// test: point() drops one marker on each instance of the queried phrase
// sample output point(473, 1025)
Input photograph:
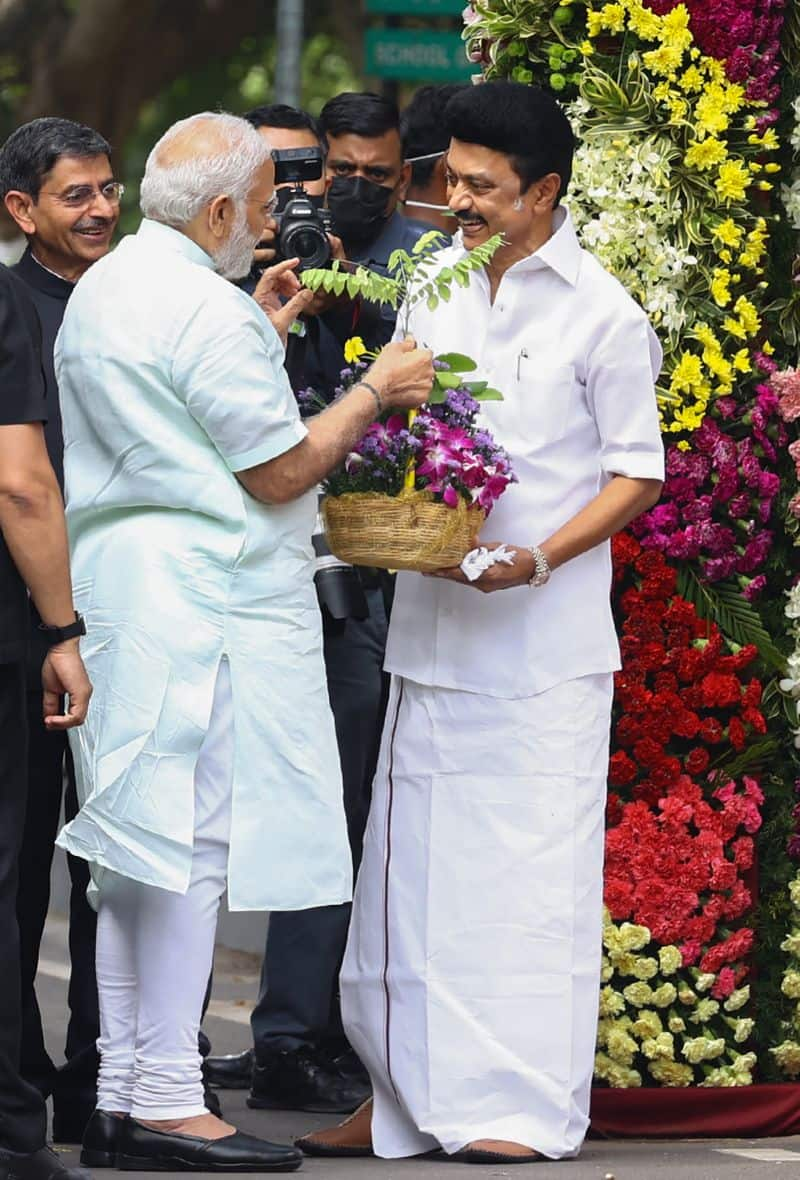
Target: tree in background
point(131, 69)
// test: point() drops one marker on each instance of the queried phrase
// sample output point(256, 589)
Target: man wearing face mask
point(368, 178)
point(425, 139)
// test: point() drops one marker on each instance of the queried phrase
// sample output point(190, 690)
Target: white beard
point(234, 257)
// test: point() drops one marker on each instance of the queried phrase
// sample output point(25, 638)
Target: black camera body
point(303, 226)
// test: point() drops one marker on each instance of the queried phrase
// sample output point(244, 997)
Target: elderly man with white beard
point(191, 503)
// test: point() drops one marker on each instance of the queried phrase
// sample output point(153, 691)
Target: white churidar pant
point(471, 977)
point(155, 949)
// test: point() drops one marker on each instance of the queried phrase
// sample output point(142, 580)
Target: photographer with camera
point(301, 1059)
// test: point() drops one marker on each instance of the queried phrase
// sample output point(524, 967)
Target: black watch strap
point(54, 635)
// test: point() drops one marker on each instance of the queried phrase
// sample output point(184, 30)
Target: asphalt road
point(236, 981)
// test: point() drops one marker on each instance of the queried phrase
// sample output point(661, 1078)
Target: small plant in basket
point(417, 488)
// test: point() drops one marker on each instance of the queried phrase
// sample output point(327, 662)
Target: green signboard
point(416, 55)
point(417, 7)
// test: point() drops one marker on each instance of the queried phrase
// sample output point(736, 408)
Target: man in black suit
point(33, 555)
point(57, 183)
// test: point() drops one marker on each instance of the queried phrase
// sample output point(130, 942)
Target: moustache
point(93, 223)
point(462, 216)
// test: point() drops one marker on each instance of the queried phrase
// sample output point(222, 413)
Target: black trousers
point(49, 765)
point(299, 1002)
point(23, 1117)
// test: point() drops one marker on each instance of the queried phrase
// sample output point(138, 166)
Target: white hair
point(175, 193)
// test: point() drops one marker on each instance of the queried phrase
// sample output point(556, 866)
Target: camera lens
point(307, 242)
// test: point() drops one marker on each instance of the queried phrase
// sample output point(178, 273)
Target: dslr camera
point(303, 226)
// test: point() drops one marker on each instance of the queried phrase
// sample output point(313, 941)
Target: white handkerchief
point(479, 560)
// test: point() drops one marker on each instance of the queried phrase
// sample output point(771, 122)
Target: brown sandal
point(345, 1139)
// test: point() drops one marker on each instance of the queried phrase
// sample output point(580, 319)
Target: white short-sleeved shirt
point(576, 360)
point(172, 380)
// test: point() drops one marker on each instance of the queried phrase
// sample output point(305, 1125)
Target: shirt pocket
point(546, 396)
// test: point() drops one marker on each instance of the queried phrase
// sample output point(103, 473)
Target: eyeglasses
point(267, 207)
point(83, 194)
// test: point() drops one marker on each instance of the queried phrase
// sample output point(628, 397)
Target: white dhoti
point(470, 982)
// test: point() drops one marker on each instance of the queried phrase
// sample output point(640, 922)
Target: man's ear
point(18, 205)
point(546, 192)
point(220, 216)
point(405, 181)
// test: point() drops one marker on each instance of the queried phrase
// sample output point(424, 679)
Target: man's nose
point(459, 198)
point(101, 206)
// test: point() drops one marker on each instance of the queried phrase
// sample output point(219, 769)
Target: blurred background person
point(34, 560)
point(424, 132)
point(58, 184)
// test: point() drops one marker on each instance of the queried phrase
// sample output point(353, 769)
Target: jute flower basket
point(405, 532)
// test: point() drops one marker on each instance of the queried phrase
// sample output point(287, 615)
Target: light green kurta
point(171, 379)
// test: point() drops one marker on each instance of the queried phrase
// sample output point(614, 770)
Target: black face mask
point(358, 206)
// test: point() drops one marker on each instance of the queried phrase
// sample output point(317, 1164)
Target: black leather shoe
point(43, 1164)
point(141, 1149)
point(234, 1072)
point(297, 1079)
point(100, 1140)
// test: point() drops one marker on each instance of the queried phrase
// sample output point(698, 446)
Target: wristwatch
point(542, 571)
point(54, 635)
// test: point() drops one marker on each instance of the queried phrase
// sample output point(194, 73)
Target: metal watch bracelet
point(542, 571)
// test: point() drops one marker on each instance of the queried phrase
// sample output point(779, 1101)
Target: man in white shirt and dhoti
point(211, 755)
point(470, 983)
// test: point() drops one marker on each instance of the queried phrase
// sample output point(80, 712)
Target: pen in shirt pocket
point(521, 355)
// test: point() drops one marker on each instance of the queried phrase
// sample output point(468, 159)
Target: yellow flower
point(611, 1002)
point(683, 445)
point(621, 1046)
point(618, 1076)
point(772, 167)
point(613, 17)
point(586, 48)
point(734, 328)
point(697, 1049)
point(769, 140)
point(737, 999)
point(720, 286)
point(768, 350)
point(710, 110)
point(790, 986)
point(705, 153)
point(645, 23)
point(732, 182)
point(687, 374)
point(665, 995)
point(748, 316)
point(645, 968)
point(675, 1024)
point(664, 60)
point(728, 232)
point(354, 348)
point(661, 1047)
point(670, 1073)
point(787, 1056)
point(691, 80)
point(670, 958)
point(594, 23)
point(639, 994)
point(647, 1023)
point(705, 1009)
point(741, 361)
point(794, 892)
